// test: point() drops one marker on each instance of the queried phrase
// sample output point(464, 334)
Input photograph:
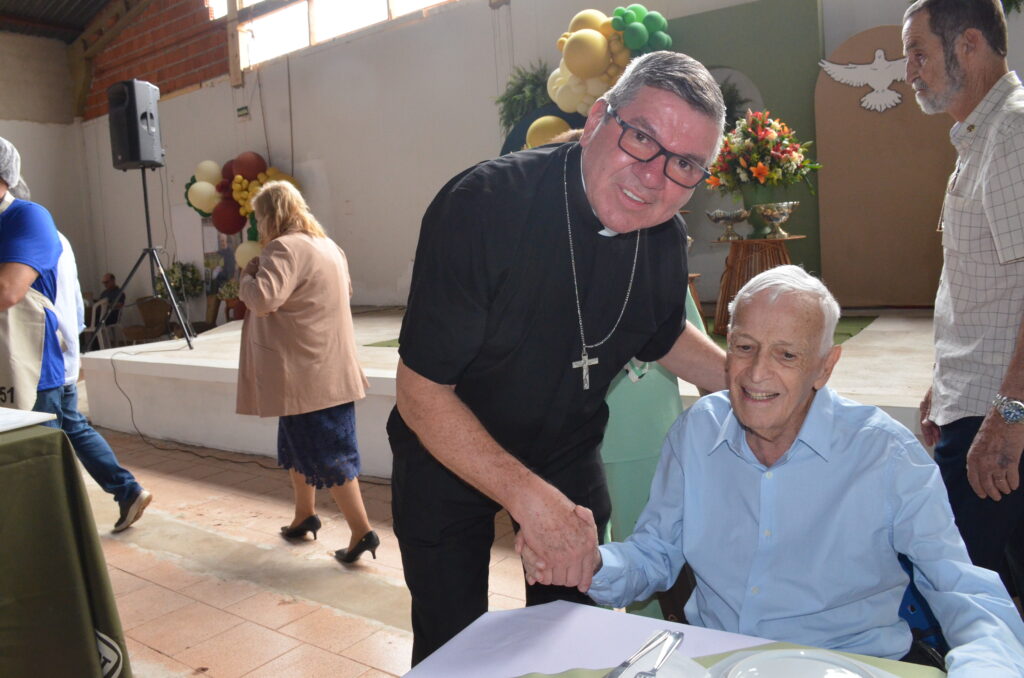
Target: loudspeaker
point(134, 125)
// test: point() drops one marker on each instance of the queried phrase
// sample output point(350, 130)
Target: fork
point(668, 646)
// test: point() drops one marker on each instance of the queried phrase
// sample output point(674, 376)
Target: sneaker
point(131, 510)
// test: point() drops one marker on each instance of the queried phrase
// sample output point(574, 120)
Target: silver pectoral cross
point(585, 362)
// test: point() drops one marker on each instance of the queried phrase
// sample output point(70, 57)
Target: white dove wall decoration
point(877, 75)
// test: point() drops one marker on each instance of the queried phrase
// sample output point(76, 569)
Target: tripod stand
point(154, 267)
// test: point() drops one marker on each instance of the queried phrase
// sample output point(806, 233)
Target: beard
point(938, 102)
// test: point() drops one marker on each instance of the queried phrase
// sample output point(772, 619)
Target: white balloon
point(566, 99)
point(203, 196)
point(246, 252)
point(554, 82)
point(208, 171)
point(596, 86)
point(577, 84)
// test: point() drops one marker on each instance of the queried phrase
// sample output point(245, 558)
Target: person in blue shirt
point(38, 295)
point(792, 504)
point(29, 250)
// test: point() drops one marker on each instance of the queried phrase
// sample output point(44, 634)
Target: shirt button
point(755, 590)
point(767, 533)
point(768, 475)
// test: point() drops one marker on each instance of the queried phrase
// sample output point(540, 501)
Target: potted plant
point(185, 280)
point(228, 292)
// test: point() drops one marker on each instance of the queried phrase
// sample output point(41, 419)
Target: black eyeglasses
point(639, 145)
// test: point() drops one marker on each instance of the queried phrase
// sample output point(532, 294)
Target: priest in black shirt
point(538, 275)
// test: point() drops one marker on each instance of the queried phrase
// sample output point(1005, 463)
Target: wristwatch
point(1012, 411)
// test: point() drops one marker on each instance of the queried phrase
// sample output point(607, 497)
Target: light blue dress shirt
point(805, 551)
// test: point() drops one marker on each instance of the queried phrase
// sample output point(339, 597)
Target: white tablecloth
point(560, 636)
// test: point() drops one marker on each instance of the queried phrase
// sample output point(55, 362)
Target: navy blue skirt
point(320, 445)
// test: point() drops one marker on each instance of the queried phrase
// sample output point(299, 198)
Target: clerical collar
point(606, 232)
point(6, 201)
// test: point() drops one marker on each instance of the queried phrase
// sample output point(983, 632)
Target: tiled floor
point(205, 586)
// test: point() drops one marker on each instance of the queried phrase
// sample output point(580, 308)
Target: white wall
point(378, 122)
point(372, 124)
point(844, 19)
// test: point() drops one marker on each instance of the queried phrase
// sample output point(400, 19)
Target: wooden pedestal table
point(746, 259)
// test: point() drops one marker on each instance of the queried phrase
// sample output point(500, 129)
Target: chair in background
point(97, 335)
point(156, 316)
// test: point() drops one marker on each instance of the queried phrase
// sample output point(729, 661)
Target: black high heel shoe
point(310, 524)
point(369, 542)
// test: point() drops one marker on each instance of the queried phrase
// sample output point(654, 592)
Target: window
point(270, 28)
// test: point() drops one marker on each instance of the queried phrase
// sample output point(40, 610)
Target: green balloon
point(635, 36)
point(654, 21)
point(628, 16)
point(618, 24)
point(619, 11)
point(639, 10)
point(659, 40)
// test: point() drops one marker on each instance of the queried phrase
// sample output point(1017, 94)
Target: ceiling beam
point(12, 19)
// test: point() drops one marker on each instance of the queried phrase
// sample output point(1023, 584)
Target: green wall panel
point(777, 44)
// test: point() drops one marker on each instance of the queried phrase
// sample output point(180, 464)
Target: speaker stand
point(155, 266)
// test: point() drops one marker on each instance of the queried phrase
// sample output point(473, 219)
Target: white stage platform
point(189, 396)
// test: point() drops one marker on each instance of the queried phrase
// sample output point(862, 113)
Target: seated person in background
point(112, 293)
point(792, 504)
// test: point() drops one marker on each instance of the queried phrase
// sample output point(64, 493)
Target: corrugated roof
point(60, 19)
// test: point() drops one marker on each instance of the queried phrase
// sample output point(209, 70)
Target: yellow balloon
point(588, 18)
point(246, 252)
point(203, 196)
point(544, 129)
point(208, 171)
point(586, 53)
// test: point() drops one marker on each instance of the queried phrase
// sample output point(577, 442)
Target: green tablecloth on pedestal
point(57, 612)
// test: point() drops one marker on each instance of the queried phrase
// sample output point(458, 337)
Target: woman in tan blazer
point(298, 361)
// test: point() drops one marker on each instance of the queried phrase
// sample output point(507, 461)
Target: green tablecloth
point(57, 612)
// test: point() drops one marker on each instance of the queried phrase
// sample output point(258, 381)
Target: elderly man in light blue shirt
point(792, 504)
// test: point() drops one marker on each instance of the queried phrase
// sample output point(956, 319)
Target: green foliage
point(185, 279)
point(527, 90)
point(228, 290)
point(735, 103)
point(1012, 6)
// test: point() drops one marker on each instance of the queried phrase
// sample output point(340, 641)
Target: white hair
point(793, 280)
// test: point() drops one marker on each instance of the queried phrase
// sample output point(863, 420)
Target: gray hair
point(948, 19)
point(673, 72)
point(10, 164)
point(793, 280)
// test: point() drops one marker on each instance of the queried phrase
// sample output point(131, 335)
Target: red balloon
point(226, 218)
point(249, 165)
point(227, 170)
point(224, 188)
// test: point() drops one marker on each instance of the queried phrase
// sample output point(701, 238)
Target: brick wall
point(173, 45)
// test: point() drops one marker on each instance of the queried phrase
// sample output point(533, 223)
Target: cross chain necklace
point(585, 360)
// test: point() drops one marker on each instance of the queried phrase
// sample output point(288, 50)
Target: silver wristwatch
point(1012, 411)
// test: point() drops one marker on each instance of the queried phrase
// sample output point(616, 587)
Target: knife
point(644, 649)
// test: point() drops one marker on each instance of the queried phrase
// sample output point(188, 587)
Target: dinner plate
point(793, 663)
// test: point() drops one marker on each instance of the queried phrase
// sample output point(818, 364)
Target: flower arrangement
point(228, 290)
point(184, 279)
point(760, 151)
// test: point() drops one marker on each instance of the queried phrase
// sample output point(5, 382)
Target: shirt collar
point(962, 132)
point(606, 232)
point(815, 434)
